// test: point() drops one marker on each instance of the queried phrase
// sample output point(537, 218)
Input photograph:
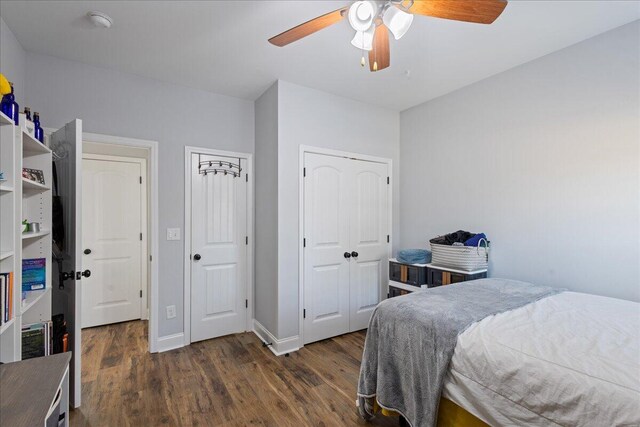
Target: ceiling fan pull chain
point(375, 57)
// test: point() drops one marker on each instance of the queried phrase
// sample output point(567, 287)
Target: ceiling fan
point(372, 21)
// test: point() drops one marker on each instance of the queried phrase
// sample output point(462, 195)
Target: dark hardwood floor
point(231, 381)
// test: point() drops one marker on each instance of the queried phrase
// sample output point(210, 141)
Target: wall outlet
point(173, 234)
point(171, 311)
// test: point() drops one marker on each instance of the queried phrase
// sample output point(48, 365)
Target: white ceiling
point(221, 46)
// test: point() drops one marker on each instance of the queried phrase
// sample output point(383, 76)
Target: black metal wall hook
point(206, 167)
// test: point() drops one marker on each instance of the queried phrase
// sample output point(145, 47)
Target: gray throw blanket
point(411, 340)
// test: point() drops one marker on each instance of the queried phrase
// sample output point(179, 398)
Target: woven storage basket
point(465, 258)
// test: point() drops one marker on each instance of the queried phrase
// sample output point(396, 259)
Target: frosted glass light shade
point(364, 39)
point(361, 15)
point(397, 21)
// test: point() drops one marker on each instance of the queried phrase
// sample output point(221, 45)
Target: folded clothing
point(414, 256)
point(475, 240)
point(459, 236)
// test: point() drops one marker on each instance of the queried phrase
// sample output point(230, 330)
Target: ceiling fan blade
point(478, 11)
point(309, 27)
point(379, 56)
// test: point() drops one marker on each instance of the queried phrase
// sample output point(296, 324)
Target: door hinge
point(304, 242)
point(387, 238)
point(246, 303)
point(247, 177)
point(140, 180)
point(140, 236)
point(387, 180)
point(246, 240)
point(150, 258)
point(140, 293)
point(304, 172)
point(304, 313)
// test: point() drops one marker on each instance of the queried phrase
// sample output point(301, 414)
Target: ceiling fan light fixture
point(397, 21)
point(361, 14)
point(364, 39)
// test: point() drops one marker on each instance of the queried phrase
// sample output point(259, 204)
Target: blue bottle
point(9, 106)
point(38, 132)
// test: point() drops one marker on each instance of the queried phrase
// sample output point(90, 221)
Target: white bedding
point(570, 359)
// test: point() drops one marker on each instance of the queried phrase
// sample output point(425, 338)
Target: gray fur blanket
point(411, 340)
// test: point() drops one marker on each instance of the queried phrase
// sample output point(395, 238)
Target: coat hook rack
point(214, 167)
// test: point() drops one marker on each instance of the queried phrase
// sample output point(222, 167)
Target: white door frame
point(153, 224)
point(188, 152)
point(304, 149)
point(144, 254)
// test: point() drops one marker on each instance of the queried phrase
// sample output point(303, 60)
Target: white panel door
point(112, 211)
point(67, 144)
point(326, 225)
point(219, 252)
point(368, 239)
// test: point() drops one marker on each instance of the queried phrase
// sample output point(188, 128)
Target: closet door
point(368, 230)
point(326, 225)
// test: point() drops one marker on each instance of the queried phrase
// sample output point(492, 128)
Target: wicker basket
point(465, 258)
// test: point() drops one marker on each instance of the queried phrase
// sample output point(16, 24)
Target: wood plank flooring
point(231, 381)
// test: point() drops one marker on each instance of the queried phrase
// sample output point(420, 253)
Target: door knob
point(347, 255)
point(197, 257)
point(354, 254)
point(86, 273)
point(87, 251)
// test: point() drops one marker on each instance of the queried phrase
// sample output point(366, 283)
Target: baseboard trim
point(170, 342)
point(278, 347)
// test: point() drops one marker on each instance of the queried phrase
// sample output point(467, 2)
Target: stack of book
point(36, 340)
point(6, 296)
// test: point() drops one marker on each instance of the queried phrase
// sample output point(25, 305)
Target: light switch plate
point(171, 311)
point(173, 234)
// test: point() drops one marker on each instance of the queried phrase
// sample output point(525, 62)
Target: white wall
point(266, 218)
point(13, 62)
point(311, 117)
point(114, 103)
point(545, 159)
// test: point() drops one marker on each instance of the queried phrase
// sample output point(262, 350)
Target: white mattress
point(571, 359)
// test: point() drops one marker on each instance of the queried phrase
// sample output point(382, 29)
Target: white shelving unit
point(34, 235)
point(9, 239)
point(29, 186)
point(23, 199)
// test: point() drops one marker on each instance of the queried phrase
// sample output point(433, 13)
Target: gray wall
point(12, 62)
point(311, 117)
point(266, 218)
point(114, 103)
point(545, 159)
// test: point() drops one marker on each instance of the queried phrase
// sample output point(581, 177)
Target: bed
point(564, 358)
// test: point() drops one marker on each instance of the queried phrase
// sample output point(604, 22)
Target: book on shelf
point(6, 297)
point(36, 340)
point(3, 299)
point(34, 275)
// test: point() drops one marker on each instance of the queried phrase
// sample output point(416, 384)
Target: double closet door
point(346, 228)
